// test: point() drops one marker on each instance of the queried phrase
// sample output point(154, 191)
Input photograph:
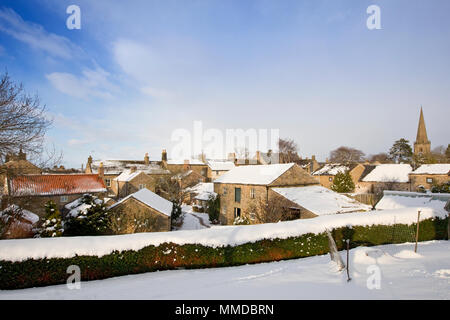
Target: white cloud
point(36, 36)
point(155, 93)
point(92, 83)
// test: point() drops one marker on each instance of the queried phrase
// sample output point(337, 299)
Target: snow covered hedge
point(39, 262)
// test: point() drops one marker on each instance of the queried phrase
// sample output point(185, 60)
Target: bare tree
point(274, 210)
point(23, 122)
point(287, 149)
point(346, 155)
point(380, 157)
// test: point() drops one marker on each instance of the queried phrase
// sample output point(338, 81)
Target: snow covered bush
point(343, 183)
point(441, 188)
point(53, 225)
point(89, 220)
point(241, 221)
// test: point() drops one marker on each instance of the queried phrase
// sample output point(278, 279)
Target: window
point(252, 193)
point(64, 199)
point(108, 182)
point(237, 212)
point(142, 186)
point(237, 195)
point(429, 180)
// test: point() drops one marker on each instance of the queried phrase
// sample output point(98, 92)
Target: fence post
point(417, 231)
point(348, 253)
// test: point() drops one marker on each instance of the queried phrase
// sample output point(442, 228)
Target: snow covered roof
point(254, 174)
point(389, 173)
point(114, 167)
point(25, 214)
point(332, 169)
point(320, 200)
point(402, 199)
point(56, 184)
point(128, 175)
point(204, 190)
point(151, 199)
point(181, 161)
point(437, 168)
point(217, 165)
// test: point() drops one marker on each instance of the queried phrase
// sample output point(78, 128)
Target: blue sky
point(138, 70)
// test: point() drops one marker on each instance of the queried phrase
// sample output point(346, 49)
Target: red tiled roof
point(56, 184)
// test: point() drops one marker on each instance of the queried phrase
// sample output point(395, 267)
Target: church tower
point(422, 145)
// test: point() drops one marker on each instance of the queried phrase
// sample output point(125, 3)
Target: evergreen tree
point(401, 151)
point(176, 211)
point(91, 221)
point(213, 208)
point(53, 224)
point(343, 182)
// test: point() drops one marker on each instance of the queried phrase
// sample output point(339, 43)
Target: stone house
point(142, 211)
point(243, 187)
point(428, 175)
point(17, 164)
point(111, 169)
point(384, 177)
point(218, 167)
point(327, 173)
point(132, 180)
point(32, 192)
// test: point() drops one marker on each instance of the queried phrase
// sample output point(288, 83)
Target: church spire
point(422, 144)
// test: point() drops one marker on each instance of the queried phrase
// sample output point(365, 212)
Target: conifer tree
point(52, 225)
point(343, 182)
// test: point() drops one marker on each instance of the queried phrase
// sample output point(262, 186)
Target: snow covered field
point(403, 275)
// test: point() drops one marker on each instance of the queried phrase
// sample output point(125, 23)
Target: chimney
point(146, 159)
point(313, 157)
point(133, 169)
point(101, 170)
point(258, 157)
point(232, 156)
point(164, 155)
point(186, 165)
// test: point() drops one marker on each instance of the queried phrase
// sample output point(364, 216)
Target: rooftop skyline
point(133, 74)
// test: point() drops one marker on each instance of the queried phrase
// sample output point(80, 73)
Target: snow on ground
point(401, 199)
point(64, 247)
point(404, 275)
point(194, 220)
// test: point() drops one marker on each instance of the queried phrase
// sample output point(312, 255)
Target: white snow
point(181, 161)
point(404, 275)
point(203, 190)
point(320, 200)
point(331, 169)
point(389, 173)
point(399, 199)
point(151, 199)
point(437, 168)
point(194, 220)
point(254, 174)
point(217, 165)
point(64, 247)
point(127, 175)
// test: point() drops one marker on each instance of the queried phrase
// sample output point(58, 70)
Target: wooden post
point(348, 253)
point(417, 231)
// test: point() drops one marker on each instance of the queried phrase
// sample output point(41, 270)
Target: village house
point(109, 170)
point(132, 180)
point(218, 167)
point(199, 195)
point(142, 211)
point(428, 175)
point(384, 177)
point(327, 173)
point(244, 187)
point(32, 192)
point(312, 201)
point(16, 164)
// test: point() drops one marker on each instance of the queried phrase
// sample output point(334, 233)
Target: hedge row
point(166, 256)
